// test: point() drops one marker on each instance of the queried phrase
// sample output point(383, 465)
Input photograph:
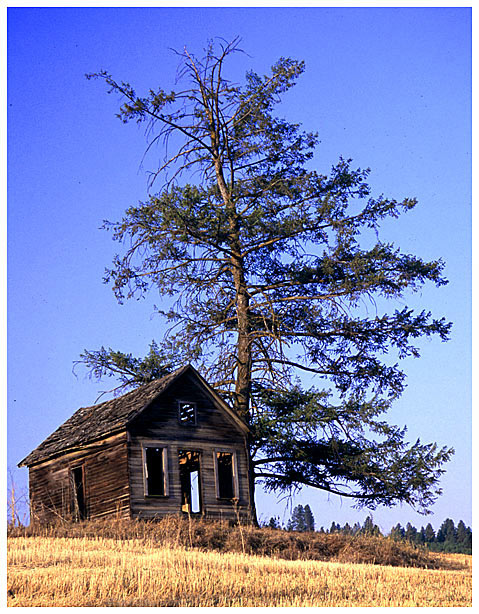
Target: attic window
point(187, 412)
point(155, 471)
point(226, 487)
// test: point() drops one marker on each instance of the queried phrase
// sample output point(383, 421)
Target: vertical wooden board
point(107, 480)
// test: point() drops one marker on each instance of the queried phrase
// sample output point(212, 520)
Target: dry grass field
point(98, 571)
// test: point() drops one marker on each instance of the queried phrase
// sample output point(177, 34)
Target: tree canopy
point(268, 265)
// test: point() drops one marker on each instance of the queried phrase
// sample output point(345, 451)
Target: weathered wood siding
point(159, 425)
point(106, 481)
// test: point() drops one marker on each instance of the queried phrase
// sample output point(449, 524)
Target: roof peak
point(99, 420)
point(95, 422)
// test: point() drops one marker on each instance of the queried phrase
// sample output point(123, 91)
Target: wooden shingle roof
point(91, 423)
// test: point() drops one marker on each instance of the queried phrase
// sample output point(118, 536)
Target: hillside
point(199, 564)
point(81, 572)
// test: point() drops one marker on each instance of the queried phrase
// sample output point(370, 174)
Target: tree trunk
point(251, 477)
point(243, 355)
point(243, 347)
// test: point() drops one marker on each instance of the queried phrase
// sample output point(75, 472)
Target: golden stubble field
point(53, 571)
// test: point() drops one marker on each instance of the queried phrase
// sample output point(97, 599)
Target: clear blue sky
point(388, 87)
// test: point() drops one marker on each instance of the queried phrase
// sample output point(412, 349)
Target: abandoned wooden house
point(170, 446)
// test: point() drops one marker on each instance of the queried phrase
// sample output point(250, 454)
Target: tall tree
point(369, 528)
point(397, 532)
point(430, 533)
point(297, 522)
point(271, 264)
point(447, 532)
point(308, 518)
point(463, 534)
point(411, 533)
point(464, 537)
point(421, 536)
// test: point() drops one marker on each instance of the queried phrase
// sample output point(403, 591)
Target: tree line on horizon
point(448, 538)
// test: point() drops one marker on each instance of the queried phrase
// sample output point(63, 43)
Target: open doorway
point(78, 487)
point(190, 481)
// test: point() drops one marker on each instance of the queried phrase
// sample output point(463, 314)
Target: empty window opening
point(225, 475)
point(187, 412)
point(190, 481)
point(155, 472)
point(78, 487)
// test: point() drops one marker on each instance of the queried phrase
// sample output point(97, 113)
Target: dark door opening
point(79, 501)
point(190, 481)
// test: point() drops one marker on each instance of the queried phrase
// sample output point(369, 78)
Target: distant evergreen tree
point(430, 534)
point(411, 533)
point(274, 523)
point(298, 520)
point(450, 531)
point(440, 535)
point(464, 538)
point(356, 528)
point(347, 530)
point(308, 518)
point(467, 543)
point(447, 532)
point(369, 528)
point(461, 532)
point(334, 528)
point(397, 532)
point(421, 536)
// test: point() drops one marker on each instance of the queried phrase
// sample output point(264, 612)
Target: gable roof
point(91, 423)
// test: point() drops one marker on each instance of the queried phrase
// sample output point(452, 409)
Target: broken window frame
point(234, 477)
point(187, 422)
point(164, 458)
